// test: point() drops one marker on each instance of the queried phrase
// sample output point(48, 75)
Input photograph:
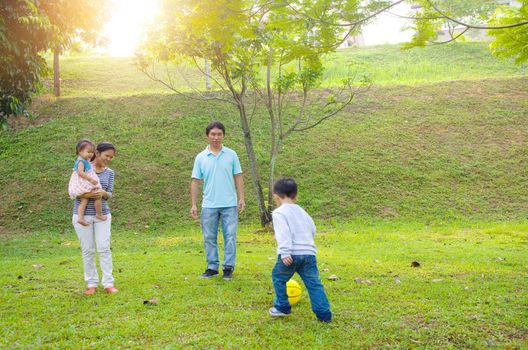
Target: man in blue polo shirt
point(219, 168)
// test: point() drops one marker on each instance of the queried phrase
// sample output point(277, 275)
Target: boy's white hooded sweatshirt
point(294, 231)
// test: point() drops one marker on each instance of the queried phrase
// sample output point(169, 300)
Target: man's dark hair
point(285, 187)
point(213, 125)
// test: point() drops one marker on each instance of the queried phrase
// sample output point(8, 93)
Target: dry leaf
point(332, 277)
point(151, 301)
point(415, 264)
point(397, 279)
point(38, 266)
point(437, 280)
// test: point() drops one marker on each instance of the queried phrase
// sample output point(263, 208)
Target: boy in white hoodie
point(294, 232)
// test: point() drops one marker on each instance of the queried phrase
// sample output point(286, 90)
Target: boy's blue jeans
point(210, 218)
point(306, 267)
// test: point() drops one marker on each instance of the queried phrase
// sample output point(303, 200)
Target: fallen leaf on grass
point(38, 266)
point(437, 280)
point(65, 262)
point(332, 278)
point(415, 264)
point(397, 279)
point(362, 281)
point(326, 269)
point(151, 301)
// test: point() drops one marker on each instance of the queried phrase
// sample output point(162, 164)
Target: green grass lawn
point(470, 291)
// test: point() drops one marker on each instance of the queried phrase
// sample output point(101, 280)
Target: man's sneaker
point(209, 273)
point(276, 313)
point(228, 273)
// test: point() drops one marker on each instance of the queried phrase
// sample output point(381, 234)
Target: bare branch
point(351, 95)
point(473, 26)
point(209, 75)
point(356, 23)
point(171, 87)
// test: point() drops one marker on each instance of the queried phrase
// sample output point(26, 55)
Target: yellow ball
point(294, 291)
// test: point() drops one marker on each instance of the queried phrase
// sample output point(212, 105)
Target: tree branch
point(473, 26)
point(153, 77)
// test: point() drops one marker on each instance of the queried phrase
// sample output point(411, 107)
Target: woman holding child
point(93, 230)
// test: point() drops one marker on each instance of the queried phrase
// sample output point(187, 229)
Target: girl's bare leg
point(80, 211)
point(99, 209)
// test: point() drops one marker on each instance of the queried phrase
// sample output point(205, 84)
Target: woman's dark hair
point(102, 147)
point(82, 144)
point(213, 125)
point(285, 187)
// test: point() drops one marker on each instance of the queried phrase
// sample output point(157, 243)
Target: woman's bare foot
point(82, 222)
point(89, 291)
point(111, 290)
point(101, 217)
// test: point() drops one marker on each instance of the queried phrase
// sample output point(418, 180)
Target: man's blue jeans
point(210, 219)
point(306, 267)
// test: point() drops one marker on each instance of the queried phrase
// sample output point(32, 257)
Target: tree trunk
point(265, 217)
point(274, 147)
point(208, 85)
point(56, 72)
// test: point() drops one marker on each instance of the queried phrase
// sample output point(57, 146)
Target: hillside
point(432, 153)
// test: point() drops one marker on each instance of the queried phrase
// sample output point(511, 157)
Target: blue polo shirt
point(217, 172)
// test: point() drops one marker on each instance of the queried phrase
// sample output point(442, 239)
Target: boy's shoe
point(209, 273)
point(228, 273)
point(276, 313)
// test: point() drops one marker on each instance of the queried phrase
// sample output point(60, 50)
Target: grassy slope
point(434, 153)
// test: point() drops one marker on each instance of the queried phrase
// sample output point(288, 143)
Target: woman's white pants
point(95, 236)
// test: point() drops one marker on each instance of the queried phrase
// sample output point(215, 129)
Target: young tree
point(259, 53)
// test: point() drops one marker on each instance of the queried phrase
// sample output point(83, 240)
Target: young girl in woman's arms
point(84, 180)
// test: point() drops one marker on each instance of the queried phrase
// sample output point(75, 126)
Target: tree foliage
point(30, 27)
point(507, 24)
point(261, 53)
point(510, 42)
point(24, 33)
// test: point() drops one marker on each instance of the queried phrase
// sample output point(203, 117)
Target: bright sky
point(387, 27)
point(126, 26)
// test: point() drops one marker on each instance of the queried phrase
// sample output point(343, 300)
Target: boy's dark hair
point(285, 187)
point(213, 125)
point(102, 147)
point(82, 144)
